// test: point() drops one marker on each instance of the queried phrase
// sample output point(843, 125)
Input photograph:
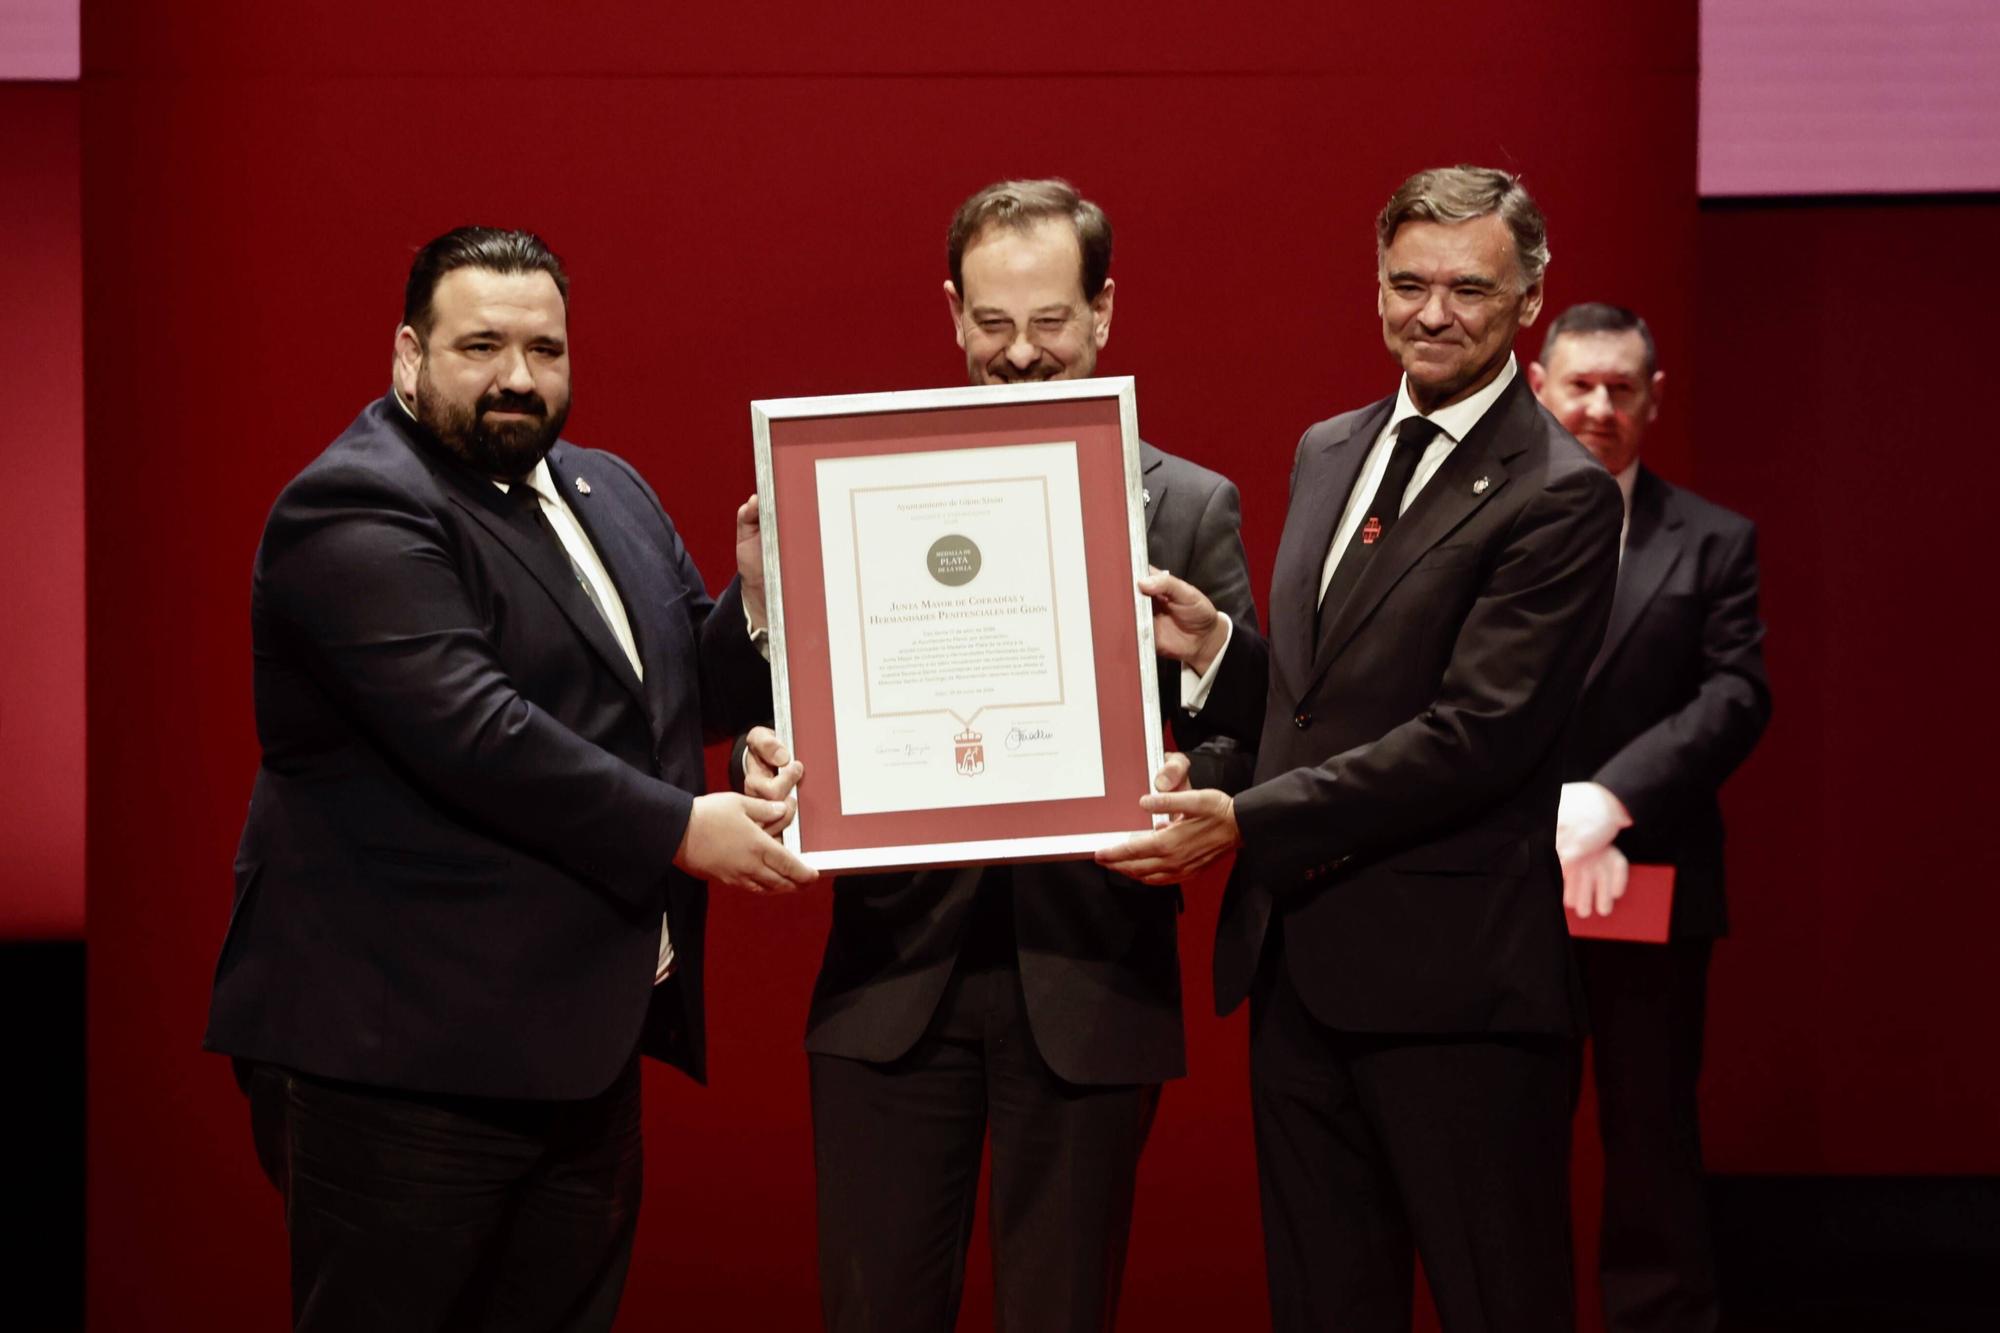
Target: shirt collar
point(1626, 481)
point(1457, 420)
point(539, 481)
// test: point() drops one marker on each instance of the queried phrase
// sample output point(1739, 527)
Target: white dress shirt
point(1454, 423)
point(584, 556)
point(1626, 480)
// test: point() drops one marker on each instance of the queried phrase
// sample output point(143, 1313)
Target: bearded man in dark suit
point(1395, 911)
point(1674, 701)
point(469, 890)
point(1037, 1004)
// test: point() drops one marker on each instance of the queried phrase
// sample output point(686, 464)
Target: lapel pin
point(1146, 494)
point(583, 487)
point(1478, 487)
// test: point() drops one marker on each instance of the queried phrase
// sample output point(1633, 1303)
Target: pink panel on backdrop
point(1849, 96)
point(41, 537)
point(38, 39)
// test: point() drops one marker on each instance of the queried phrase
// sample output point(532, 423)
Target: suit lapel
point(1325, 482)
point(550, 569)
point(1152, 481)
point(1450, 497)
point(625, 556)
point(1651, 550)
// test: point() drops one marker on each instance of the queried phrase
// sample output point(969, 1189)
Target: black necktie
point(1384, 508)
point(526, 512)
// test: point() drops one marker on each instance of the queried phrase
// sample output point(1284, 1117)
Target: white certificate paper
point(961, 655)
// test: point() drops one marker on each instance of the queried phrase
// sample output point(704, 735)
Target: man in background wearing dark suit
point(468, 892)
point(1038, 1003)
point(1673, 703)
point(1395, 911)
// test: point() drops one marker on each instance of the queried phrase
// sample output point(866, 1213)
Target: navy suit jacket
point(1677, 696)
point(461, 836)
point(1403, 818)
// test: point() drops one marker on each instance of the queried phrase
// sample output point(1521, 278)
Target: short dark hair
point(1022, 204)
point(494, 248)
point(1599, 317)
point(1462, 193)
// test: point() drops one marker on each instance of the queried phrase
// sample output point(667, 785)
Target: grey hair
point(1460, 194)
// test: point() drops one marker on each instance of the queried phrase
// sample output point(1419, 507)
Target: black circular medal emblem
point(954, 560)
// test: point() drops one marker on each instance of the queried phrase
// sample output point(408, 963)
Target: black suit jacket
point(1677, 696)
point(1403, 820)
point(461, 836)
point(1098, 959)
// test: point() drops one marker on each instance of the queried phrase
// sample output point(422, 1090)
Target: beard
point(508, 450)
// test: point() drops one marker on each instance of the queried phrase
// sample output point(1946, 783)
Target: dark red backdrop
point(1842, 364)
point(752, 203)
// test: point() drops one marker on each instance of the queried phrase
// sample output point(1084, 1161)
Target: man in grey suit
point(1042, 1002)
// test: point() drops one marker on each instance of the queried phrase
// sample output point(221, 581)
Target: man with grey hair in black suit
point(1394, 915)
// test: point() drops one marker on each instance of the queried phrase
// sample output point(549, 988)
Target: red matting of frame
point(797, 445)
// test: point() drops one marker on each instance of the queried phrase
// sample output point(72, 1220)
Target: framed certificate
point(958, 652)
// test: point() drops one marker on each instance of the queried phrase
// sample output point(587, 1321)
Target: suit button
point(1302, 720)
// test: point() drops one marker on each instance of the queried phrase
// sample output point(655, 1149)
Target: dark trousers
point(429, 1214)
point(1647, 1006)
point(897, 1151)
point(1370, 1147)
